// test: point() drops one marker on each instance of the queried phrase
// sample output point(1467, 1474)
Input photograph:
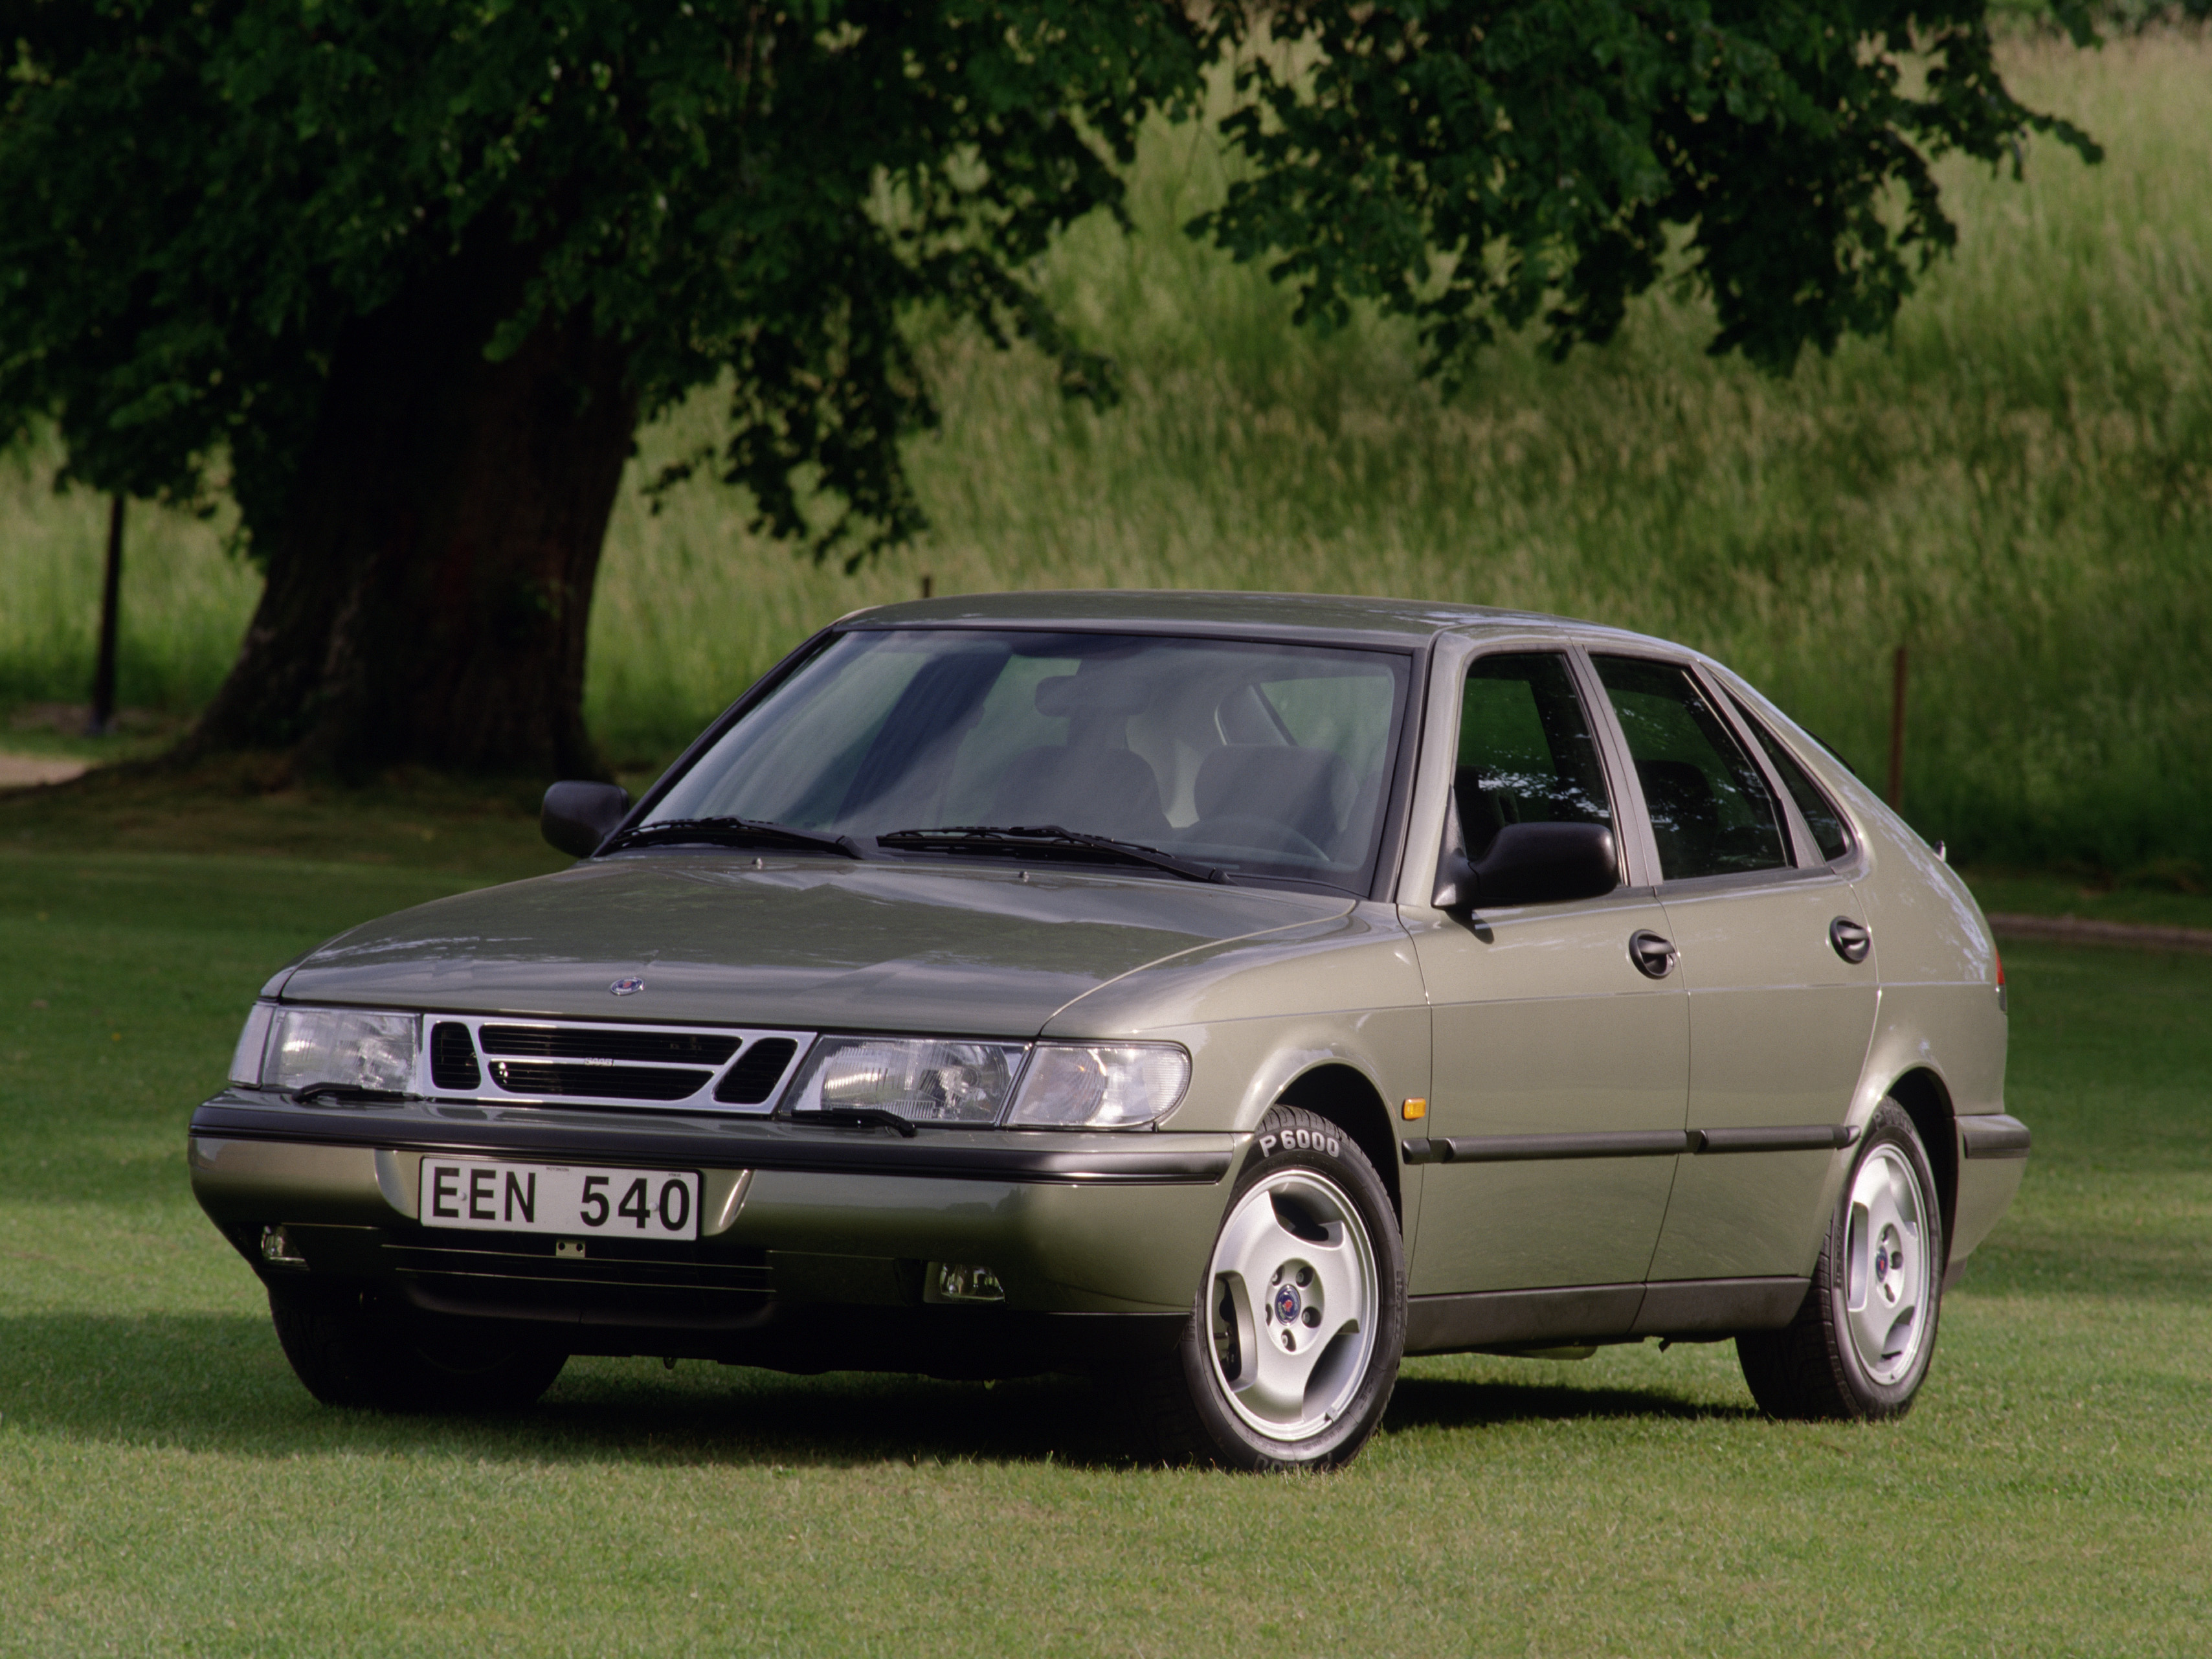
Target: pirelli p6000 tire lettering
point(1296, 1333)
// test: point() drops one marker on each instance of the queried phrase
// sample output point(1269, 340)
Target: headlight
point(311, 1046)
point(925, 1080)
point(1100, 1085)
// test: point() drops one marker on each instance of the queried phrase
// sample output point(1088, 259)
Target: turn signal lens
point(1100, 1086)
point(245, 1059)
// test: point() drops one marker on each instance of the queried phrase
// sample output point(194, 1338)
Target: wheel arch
point(1348, 1098)
point(1928, 1103)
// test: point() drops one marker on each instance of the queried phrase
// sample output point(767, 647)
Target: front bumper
point(817, 1247)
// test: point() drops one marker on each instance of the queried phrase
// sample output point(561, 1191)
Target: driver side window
point(1526, 754)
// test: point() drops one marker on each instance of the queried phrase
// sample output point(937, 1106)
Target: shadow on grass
point(219, 1383)
point(1452, 1403)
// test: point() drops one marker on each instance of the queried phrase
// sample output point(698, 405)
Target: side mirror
point(1530, 864)
point(577, 817)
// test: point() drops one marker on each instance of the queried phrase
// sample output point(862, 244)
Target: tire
point(1860, 1345)
point(1309, 1233)
point(352, 1348)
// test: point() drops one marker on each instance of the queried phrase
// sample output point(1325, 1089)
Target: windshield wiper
point(733, 832)
point(1046, 839)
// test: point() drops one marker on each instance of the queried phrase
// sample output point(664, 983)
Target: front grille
point(453, 1058)
point(601, 1043)
point(699, 1068)
point(748, 1082)
point(612, 1083)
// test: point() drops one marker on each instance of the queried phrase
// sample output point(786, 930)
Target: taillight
point(1999, 955)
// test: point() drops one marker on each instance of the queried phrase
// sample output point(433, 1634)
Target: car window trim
point(1805, 852)
point(1854, 864)
point(1640, 850)
point(1404, 747)
point(1796, 837)
point(1816, 858)
point(792, 661)
point(1628, 832)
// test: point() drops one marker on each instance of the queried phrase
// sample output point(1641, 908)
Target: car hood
point(797, 941)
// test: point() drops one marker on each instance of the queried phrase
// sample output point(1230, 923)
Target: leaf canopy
point(196, 196)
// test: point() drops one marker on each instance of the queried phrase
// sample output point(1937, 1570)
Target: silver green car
point(1221, 995)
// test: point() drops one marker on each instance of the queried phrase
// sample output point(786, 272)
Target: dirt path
point(20, 770)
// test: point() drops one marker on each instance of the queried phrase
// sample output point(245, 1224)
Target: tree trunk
point(430, 585)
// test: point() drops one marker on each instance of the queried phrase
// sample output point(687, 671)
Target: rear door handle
point(1850, 939)
point(1653, 956)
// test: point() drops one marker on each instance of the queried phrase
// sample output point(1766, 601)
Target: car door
point(1778, 970)
point(1559, 1069)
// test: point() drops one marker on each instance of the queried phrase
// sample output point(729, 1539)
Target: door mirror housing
point(577, 817)
point(1530, 864)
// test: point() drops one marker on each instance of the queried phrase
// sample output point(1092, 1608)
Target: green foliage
point(1468, 163)
point(199, 198)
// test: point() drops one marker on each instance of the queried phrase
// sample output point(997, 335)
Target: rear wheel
point(1295, 1336)
point(1860, 1344)
point(352, 1348)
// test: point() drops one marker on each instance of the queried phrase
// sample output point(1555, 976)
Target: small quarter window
point(1526, 755)
point(1820, 817)
point(1712, 811)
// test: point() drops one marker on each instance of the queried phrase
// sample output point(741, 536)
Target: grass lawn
point(166, 1486)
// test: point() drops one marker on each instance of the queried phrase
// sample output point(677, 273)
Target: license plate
point(539, 1197)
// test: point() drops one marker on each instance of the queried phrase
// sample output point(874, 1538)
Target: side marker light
point(1415, 1109)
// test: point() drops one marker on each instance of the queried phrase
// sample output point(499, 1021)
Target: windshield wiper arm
point(1044, 837)
point(735, 832)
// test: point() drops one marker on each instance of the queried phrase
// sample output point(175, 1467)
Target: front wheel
point(1295, 1336)
point(355, 1349)
point(1861, 1343)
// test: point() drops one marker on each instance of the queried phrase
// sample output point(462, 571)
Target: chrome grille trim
point(573, 1038)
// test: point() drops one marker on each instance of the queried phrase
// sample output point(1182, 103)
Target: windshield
point(1254, 758)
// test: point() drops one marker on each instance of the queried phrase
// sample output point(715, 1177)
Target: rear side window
point(1711, 811)
point(1526, 755)
point(1820, 817)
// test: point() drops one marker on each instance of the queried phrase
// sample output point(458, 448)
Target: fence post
point(110, 598)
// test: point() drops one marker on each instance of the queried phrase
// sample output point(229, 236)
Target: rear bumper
point(1992, 1157)
point(816, 1251)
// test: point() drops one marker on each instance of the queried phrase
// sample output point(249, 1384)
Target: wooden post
point(111, 597)
point(1896, 735)
point(928, 584)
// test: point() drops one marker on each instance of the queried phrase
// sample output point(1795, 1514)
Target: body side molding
point(1641, 1144)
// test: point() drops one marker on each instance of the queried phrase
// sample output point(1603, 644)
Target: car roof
point(1333, 618)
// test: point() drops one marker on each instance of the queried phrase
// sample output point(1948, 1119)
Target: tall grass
point(2018, 484)
point(185, 601)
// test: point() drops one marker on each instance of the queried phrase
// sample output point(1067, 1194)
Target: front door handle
point(1850, 939)
point(1655, 957)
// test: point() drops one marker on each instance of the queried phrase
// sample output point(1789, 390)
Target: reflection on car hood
point(799, 942)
